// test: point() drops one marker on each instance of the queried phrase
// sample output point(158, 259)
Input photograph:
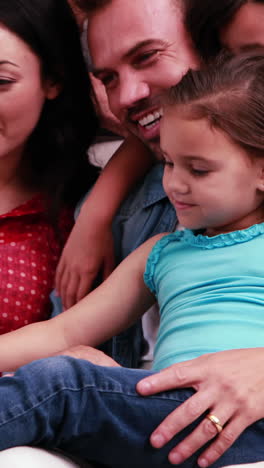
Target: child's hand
point(90, 354)
point(88, 252)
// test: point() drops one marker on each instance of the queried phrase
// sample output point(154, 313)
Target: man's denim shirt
point(146, 212)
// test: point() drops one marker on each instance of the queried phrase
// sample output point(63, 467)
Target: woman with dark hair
point(235, 24)
point(207, 279)
point(47, 122)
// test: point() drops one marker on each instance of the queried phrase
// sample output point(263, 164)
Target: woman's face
point(22, 93)
point(246, 29)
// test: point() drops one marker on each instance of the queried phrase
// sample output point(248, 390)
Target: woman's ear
point(52, 90)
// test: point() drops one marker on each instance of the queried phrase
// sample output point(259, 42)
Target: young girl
point(47, 122)
point(208, 280)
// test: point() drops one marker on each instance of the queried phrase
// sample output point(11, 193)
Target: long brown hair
point(230, 95)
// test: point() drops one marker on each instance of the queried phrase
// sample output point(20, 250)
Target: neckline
point(222, 240)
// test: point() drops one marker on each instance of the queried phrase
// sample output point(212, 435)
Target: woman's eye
point(107, 79)
point(5, 81)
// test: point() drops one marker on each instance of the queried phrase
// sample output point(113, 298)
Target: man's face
point(138, 49)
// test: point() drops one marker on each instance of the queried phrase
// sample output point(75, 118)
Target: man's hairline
point(175, 4)
point(90, 13)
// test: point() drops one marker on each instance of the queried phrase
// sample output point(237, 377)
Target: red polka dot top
point(29, 253)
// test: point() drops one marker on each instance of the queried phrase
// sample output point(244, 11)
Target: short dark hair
point(230, 95)
point(89, 6)
point(206, 18)
point(55, 160)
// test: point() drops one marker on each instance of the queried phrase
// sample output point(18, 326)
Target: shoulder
point(138, 258)
point(150, 243)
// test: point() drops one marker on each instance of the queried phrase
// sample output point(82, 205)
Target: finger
point(223, 441)
point(176, 376)
point(109, 266)
point(63, 287)
point(59, 275)
point(83, 288)
point(188, 412)
point(201, 435)
point(71, 290)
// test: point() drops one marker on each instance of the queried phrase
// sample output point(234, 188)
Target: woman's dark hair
point(206, 18)
point(55, 160)
point(230, 95)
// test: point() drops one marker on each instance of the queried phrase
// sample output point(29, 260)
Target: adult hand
point(228, 384)
point(88, 252)
point(90, 354)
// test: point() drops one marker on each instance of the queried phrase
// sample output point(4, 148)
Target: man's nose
point(131, 91)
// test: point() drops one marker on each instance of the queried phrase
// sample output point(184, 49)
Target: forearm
point(130, 162)
point(111, 308)
point(34, 341)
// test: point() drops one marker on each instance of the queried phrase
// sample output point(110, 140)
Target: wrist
point(100, 214)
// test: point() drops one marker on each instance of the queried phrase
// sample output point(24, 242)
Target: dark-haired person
point(47, 122)
point(131, 81)
point(234, 24)
point(208, 281)
point(228, 380)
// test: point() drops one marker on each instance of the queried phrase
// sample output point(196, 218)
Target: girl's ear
point(52, 90)
point(260, 181)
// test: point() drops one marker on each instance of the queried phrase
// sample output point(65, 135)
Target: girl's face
point(246, 28)
point(209, 180)
point(22, 93)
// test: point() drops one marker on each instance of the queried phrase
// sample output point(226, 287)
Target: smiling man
point(138, 57)
point(139, 48)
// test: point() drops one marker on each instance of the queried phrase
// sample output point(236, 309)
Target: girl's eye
point(199, 172)
point(167, 163)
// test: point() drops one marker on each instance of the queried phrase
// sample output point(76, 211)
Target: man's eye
point(146, 56)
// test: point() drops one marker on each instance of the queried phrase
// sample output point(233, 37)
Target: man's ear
point(52, 90)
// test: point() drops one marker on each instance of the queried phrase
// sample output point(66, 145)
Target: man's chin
point(153, 143)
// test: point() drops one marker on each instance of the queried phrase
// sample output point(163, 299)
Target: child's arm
point(89, 248)
point(106, 311)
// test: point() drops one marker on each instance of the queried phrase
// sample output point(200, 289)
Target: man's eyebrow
point(249, 47)
point(7, 62)
point(139, 45)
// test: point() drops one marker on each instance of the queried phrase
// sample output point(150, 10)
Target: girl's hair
point(205, 19)
point(230, 95)
point(55, 160)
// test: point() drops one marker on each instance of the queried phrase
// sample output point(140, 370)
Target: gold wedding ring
point(216, 422)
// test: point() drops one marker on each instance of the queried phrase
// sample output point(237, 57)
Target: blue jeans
point(94, 412)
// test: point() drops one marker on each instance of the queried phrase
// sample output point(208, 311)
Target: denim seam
point(86, 388)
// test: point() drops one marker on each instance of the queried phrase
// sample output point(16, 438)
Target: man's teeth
point(151, 119)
